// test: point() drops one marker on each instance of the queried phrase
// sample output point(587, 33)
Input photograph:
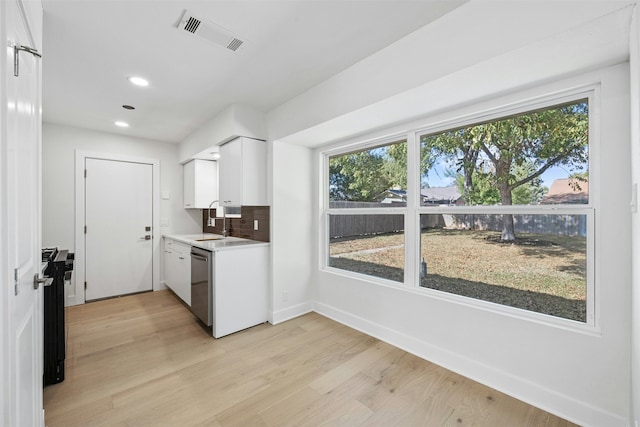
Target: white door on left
point(118, 220)
point(22, 358)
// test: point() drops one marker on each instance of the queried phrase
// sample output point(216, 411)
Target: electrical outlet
point(164, 222)
point(255, 224)
point(285, 296)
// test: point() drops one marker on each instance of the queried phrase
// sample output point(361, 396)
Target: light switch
point(255, 224)
point(165, 195)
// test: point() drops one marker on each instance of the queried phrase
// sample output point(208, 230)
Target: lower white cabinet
point(177, 269)
point(239, 279)
point(240, 289)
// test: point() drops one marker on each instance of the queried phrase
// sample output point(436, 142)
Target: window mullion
point(411, 227)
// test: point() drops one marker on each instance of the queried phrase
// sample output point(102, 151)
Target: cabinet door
point(183, 277)
point(183, 272)
point(170, 267)
point(200, 183)
point(189, 171)
point(254, 172)
point(231, 173)
point(177, 269)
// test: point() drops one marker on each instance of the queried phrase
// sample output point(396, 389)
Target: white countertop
point(221, 243)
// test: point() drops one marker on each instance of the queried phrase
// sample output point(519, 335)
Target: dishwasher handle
point(199, 257)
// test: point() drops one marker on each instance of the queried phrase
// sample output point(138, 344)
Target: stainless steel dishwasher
point(202, 285)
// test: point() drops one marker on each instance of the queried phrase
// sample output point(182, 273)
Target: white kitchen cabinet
point(243, 172)
point(240, 289)
point(200, 183)
point(177, 269)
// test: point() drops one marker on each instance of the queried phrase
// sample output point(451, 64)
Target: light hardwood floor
point(143, 360)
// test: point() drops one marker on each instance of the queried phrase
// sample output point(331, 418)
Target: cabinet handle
point(181, 257)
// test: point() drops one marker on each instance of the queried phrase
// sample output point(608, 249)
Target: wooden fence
point(362, 225)
point(550, 224)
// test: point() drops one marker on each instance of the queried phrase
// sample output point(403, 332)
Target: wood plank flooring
point(143, 360)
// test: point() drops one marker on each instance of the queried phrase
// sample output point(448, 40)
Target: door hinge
point(15, 279)
point(85, 229)
point(85, 173)
point(85, 286)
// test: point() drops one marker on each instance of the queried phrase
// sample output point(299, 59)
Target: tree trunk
point(468, 183)
point(508, 232)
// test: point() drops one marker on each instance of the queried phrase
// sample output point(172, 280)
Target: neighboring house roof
point(440, 195)
point(562, 191)
point(399, 193)
point(393, 196)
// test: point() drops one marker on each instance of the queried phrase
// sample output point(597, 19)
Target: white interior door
point(20, 154)
point(118, 220)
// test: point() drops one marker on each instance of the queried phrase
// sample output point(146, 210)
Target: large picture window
point(503, 210)
point(508, 247)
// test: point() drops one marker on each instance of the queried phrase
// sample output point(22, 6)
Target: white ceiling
point(92, 46)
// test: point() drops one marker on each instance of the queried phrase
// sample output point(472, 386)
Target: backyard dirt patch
point(541, 273)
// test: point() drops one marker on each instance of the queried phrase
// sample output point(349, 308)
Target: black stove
point(59, 268)
point(48, 254)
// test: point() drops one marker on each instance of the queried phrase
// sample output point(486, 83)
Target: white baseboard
point(549, 400)
point(291, 312)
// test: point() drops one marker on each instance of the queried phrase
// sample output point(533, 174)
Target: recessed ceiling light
point(138, 81)
point(128, 107)
point(122, 124)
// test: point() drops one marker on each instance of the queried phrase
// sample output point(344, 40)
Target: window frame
point(476, 113)
point(367, 144)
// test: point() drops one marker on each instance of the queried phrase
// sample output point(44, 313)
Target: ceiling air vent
point(235, 44)
point(209, 31)
point(192, 24)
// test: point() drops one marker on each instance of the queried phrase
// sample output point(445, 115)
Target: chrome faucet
point(224, 219)
point(224, 222)
point(209, 222)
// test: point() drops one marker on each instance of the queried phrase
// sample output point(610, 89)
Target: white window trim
point(413, 210)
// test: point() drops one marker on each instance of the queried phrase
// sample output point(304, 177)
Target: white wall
point(635, 161)
point(291, 231)
point(581, 376)
point(59, 144)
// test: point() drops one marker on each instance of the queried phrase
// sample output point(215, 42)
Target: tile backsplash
point(242, 227)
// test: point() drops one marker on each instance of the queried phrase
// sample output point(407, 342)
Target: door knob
point(147, 237)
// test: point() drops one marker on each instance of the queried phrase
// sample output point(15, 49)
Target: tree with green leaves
point(364, 176)
point(511, 154)
point(483, 191)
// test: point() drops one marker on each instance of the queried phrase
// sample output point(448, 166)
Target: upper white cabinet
point(200, 183)
point(243, 172)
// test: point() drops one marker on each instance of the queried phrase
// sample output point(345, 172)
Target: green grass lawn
point(541, 273)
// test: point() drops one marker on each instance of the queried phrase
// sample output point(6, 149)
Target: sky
point(437, 176)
